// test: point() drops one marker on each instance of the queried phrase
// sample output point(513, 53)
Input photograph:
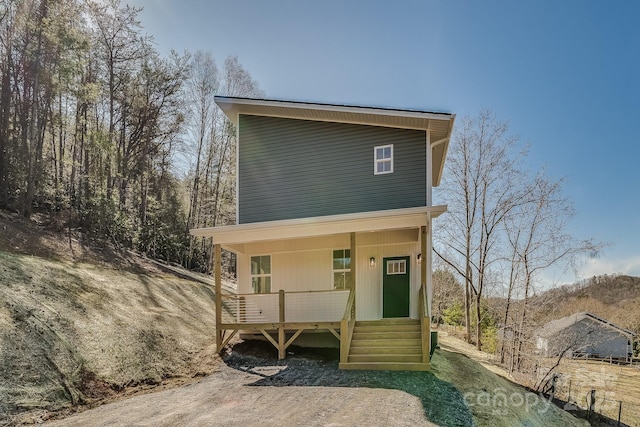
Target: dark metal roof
point(308, 103)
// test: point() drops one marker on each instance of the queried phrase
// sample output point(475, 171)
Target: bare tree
point(447, 292)
point(90, 120)
point(482, 186)
point(538, 239)
point(212, 145)
point(201, 88)
point(117, 34)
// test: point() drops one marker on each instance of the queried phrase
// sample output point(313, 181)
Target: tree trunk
point(5, 112)
point(478, 323)
point(523, 320)
point(467, 294)
point(34, 141)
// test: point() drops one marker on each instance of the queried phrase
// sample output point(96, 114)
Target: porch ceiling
point(395, 219)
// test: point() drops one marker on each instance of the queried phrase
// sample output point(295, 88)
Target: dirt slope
point(77, 328)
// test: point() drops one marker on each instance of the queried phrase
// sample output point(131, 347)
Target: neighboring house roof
point(556, 326)
point(439, 125)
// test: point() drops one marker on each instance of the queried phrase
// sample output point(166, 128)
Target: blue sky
point(564, 73)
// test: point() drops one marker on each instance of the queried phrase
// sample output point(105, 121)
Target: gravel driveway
point(251, 390)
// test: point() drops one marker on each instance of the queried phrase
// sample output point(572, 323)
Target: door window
point(396, 266)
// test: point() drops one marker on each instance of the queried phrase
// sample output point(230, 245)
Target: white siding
point(301, 271)
point(294, 265)
point(296, 268)
point(369, 280)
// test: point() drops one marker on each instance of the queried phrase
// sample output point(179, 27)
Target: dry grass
point(613, 383)
point(77, 332)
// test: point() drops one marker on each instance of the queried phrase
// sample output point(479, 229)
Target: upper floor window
point(383, 163)
point(261, 274)
point(341, 268)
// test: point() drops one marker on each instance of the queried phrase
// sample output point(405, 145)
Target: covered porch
point(302, 296)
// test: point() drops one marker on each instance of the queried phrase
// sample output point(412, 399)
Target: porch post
point(354, 263)
point(218, 282)
point(281, 318)
point(429, 161)
point(426, 316)
point(423, 262)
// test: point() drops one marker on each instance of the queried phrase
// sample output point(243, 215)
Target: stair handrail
point(346, 328)
point(425, 323)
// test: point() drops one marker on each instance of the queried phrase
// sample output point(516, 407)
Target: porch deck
point(389, 344)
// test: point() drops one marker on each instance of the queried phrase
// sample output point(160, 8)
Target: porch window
point(341, 268)
point(261, 274)
point(383, 159)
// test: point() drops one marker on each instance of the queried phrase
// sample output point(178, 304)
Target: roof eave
point(441, 124)
point(232, 106)
point(320, 226)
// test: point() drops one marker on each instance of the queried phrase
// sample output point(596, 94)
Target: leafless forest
point(107, 135)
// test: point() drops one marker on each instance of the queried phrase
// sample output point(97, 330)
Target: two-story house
point(333, 230)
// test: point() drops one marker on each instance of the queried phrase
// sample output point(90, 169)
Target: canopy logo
point(501, 401)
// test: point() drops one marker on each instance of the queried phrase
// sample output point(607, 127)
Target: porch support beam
point(423, 252)
point(218, 284)
point(271, 340)
point(429, 161)
point(228, 338)
point(274, 326)
point(354, 263)
point(429, 259)
point(425, 321)
point(282, 347)
point(293, 338)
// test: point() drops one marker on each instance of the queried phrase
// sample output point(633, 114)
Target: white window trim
point(377, 161)
point(399, 262)
point(339, 270)
point(263, 274)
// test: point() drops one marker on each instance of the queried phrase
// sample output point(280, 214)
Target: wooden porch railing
point(346, 328)
point(283, 306)
point(283, 311)
point(425, 324)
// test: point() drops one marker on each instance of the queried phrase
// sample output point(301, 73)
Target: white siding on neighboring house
point(599, 340)
point(586, 334)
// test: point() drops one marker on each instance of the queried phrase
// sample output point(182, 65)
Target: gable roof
point(439, 125)
point(559, 325)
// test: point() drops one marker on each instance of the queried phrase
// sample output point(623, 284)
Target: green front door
point(395, 287)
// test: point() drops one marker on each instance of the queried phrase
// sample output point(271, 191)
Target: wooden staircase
point(388, 344)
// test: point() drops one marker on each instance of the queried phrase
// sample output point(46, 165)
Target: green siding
point(297, 168)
